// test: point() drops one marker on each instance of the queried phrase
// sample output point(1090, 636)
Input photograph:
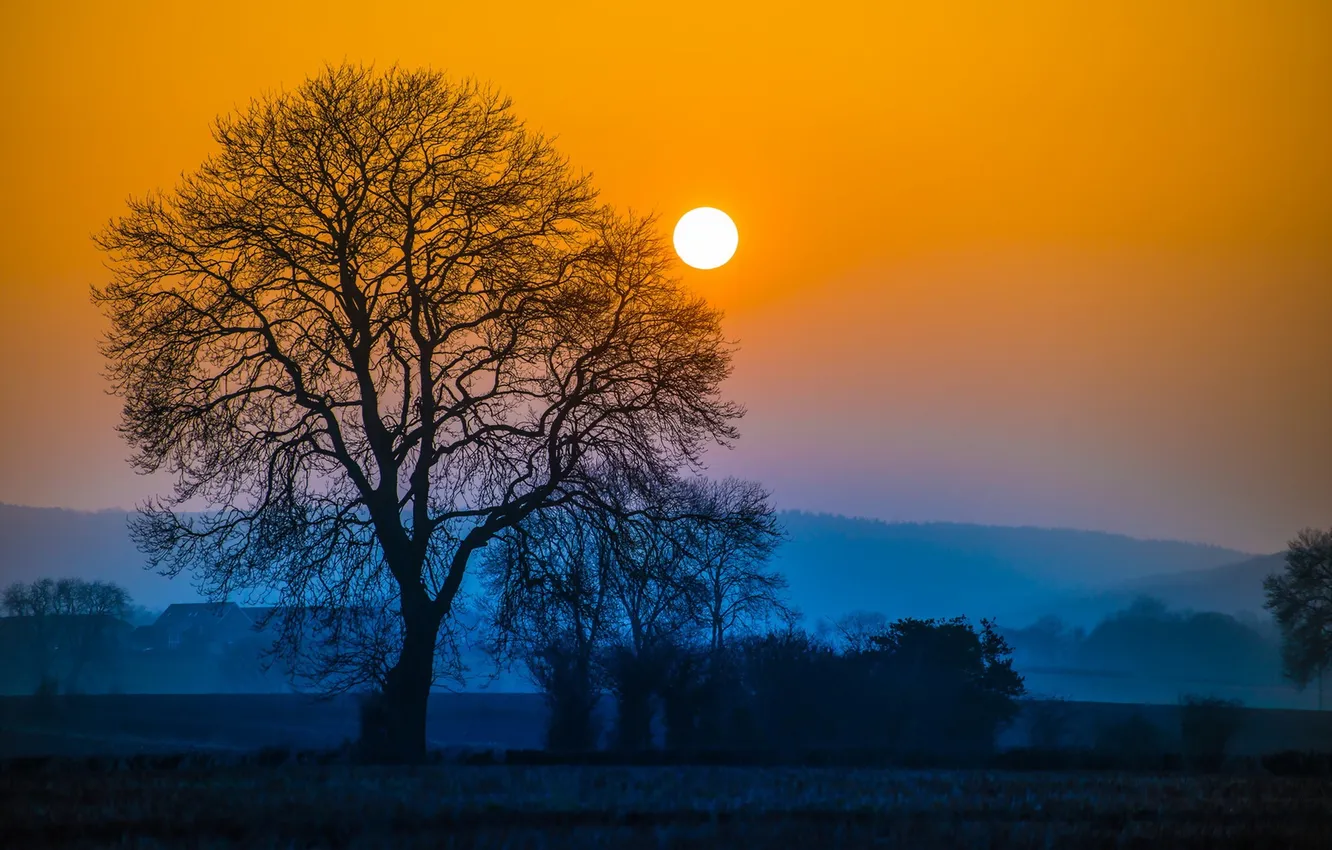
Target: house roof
point(258, 613)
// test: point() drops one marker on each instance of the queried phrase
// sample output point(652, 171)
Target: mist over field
point(834, 564)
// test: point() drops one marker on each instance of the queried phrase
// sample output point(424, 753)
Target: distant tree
point(640, 599)
point(1300, 599)
point(855, 632)
point(733, 534)
point(1207, 725)
point(796, 694)
point(383, 323)
point(935, 686)
point(1048, 641)
point(549, 579)
point(66, 596)
point(67, 622)
point(1047, 721)
point(1147, 638)
point(954, 685)
point(142, 615)
point(655, 595)
point(728, 534)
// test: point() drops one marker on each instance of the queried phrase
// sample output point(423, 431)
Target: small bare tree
point(857, 630)
point(67, 597)
point(732, 534)
point(640, 595)
point(379, 326)
point(550, 581)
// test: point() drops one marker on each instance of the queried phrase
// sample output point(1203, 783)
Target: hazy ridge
point(834, 564)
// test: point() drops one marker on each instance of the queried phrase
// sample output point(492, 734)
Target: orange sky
point(1043, 263)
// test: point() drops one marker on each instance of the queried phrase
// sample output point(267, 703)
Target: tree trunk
point(633, 681)
point(633, 728)
point(571, 700)
point(394, 730)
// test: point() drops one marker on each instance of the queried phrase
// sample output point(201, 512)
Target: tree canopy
point(1300, 598)
point(382, 323)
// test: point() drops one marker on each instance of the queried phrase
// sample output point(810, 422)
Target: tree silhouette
point(66, 618)
point(549, 581)
point(730, 550)
point(642, 599)
point(381, 324)
point(1301, 601)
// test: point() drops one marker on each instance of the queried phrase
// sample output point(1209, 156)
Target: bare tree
point(550, 577)
point(67, 617)
point(645, 590)
point(379, 326)
point(1300, 599)
point(66, 597)
point(731, 536)
point(857, 630)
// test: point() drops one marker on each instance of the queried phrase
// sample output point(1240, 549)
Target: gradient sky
point(1046, 263)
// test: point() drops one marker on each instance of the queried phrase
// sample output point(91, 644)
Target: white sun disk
point(706, 238)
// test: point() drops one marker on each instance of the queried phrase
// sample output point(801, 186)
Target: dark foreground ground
point(651, 807)
point(107, 724)
point(84, 725)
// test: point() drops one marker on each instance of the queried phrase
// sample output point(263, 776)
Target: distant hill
point(1228, 589)
point(835, 564)
point(1233, 589)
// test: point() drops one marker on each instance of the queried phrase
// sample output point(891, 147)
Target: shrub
point(571, 697)
point(1207, 724)
point(1295, 763)
point(373, 717)
point(950, 685)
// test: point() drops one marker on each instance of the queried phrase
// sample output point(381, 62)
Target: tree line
point(56, 629)
point(684, 622)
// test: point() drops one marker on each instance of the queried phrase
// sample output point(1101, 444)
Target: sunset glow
point(1032, 263)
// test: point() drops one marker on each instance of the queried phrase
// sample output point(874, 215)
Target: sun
point(705, 238)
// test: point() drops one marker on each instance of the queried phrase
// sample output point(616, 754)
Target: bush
point(1295, 763)
point(565, 676)
point(937, 686)
point(1207, 724)
point(373, 717)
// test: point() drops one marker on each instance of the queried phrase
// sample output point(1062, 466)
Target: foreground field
point(541, 807)
point(111, 724)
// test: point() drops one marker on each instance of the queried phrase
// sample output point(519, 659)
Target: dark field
point(73, 725)
point(103, 788)
point(109, 724)
point(539, 807)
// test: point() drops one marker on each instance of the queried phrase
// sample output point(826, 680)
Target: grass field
point(80, 725)
point(539, 807)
